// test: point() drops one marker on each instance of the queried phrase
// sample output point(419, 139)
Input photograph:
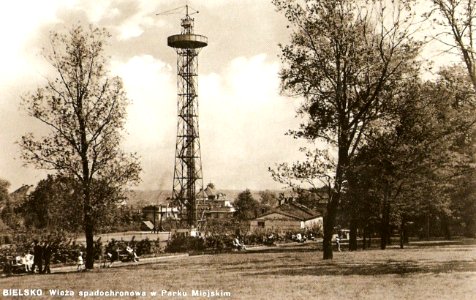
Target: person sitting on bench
point(237, 245)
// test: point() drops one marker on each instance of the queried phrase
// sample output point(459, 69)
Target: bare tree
point(458, 21)
point(85, 110)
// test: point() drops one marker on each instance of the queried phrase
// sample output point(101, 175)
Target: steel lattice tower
point(188, 178)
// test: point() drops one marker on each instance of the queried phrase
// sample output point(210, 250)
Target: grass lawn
point(422, 271)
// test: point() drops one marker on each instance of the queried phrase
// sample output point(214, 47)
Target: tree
point(56, 200)
point(11, 207)
point(409, 169)
point(7, 212)
point(54, 203)
point(458, 22)
point(347, 59)
point(85, 110)
point(268, 199)
point(246, 206)
point(4, 185)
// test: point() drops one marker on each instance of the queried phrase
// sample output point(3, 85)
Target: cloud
point(243, 121)
point(142, 18)
point(150, 84)
point(20, 22)
point(97, 10)
point(242, 116)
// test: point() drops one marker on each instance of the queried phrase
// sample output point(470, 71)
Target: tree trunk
point(446, 226)
point(334, 199)
point(402, 233)
point(88, 228)
point(364, 241)
point(89, 232)
point(385, 221)
point(384, 228)
point(353, 235)
point(383, 236)
point(329, 221)
point(428, 226)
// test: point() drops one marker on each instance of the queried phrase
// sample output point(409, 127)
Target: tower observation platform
point(187, 41)
point(188, 178)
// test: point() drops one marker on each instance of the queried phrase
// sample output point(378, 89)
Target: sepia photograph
point(238, 149)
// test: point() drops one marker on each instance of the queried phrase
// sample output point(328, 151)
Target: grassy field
point(421, 271)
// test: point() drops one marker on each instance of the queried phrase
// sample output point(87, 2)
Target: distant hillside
point(140, 198)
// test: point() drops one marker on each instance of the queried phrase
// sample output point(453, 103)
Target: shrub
point(180, 243)
point(144, 247)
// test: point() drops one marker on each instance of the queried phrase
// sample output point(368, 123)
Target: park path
point(118, 264)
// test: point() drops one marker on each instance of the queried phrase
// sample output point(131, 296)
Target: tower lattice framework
point(188, 177)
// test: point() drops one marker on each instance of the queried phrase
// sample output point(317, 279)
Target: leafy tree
point(56, 200)
point(455, 85)
point(10, 204)
point(53, 204)
point(4, 185)
point(347, 59)
point(4, 200)
point(246, 206)
point(85, 110)
point(457, 22)
point(312, 198)
point(409, 169)
point(268, 199)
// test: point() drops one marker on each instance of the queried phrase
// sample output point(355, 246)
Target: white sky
point(242, 116)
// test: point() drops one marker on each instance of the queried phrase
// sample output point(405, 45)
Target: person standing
point(80, 262)
point(27, 261)
point(37, 257)
point(47, 257)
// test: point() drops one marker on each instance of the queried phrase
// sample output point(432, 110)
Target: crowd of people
point(32, 261)
point(38, 258)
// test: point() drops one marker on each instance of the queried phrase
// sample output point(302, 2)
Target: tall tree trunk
point(383, 236)
point(88, 228)
point(353, 235)
point(334, 200)
point(389, 234)
point(89, 232)
point(385, 220)
point(86, 186)
point(364, 239)
point(428, 224)
point(446, 226)
point(384, 226)
point(402, 233)
point(329, 222)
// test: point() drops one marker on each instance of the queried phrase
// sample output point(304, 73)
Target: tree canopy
point(84, 109)
point(246, 206)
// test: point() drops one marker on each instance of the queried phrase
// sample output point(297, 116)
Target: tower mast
point(188, 178)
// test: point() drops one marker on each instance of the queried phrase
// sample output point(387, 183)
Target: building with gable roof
point(214, 205)
point(288, 216)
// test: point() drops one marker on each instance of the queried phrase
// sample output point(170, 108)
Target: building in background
point(289, 216)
